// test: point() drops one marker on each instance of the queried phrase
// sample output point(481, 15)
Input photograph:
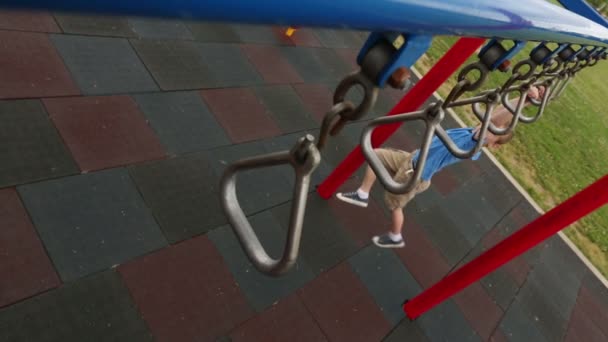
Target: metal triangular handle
point(304, 158)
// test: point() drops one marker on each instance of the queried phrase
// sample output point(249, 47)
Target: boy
point(400, 165)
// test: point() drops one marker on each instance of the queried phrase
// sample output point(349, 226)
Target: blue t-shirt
point(439, 156)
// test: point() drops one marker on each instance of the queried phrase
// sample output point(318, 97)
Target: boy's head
point(494, 141)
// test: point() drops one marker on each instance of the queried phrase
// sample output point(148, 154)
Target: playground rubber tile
point(542, 310)
point(558, 255)
point(261, 290)
point(25, 266)
point(308, 64)
point(185, 292)
point(102, 65)
point(324, 242)
point(91, 222)
point(36, 151)
point(257, 189)
point(159, 29)
point(479, 309)
point(27, 21)
point(351, 314)
point(332, 38)
point(261, 34)
point(361, 223)
point(549, 300)
point(406, 330)
point(31, 67)
point(285, 107)
point(349, 56)
point(182, 193)
point(422, 259)
point(488, 212)
point(228, 65)
point(271, 64)
point(464, 171)
point(524, 213)
point(332, 63)
point(498, 336)
point(445, 182)
point(110, 26)
point(318, 99)
point(442, 232)
point(104, 132)
point(518, 326)
point(304, 37)
point(212, 32)
point(287, 320)
point(241, 114)
point(592, 309)
point(501, 287)
point(97, 308)
point(428, 199)
point(465, 217)
point(583, 328)
point(182, 121)
point(386, 279)
point(445, 322)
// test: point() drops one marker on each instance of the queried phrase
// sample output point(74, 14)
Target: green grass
point(566, 150)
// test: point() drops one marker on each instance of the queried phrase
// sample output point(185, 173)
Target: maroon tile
point(25, 268)
point(304, 37)
point(241, 114)
point(28, 21)
point(402, 141)
point(287, 320)
point(479, 309)
point(30, 67)
point(361, 223)
point(587, 323)
point(349, 56)
point(343, 308)
point(593, 309)
point(271, 64)
point(185, 292)
point(498, 336)
point(104, 131)
point(317, 98)
point(420, 256)
point(445, 182)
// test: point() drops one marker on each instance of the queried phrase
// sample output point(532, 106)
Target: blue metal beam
point(535, 20)
point(583, 8)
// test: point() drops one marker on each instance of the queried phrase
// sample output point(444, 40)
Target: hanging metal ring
point(333, 122)
point(370, 94)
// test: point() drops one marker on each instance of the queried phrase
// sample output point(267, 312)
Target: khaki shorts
point(399, 165)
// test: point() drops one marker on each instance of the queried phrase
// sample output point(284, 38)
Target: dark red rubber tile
point(479, 309)
point(445, 182)
point(421, 256)
point(271, 64)
point(25, 268)
point(28, 21)
point(104, 132)
point(318, 99)
point(343, 307)
point(30, 67)
point(586, 322)
point(498, 336)
point(287, 320)
point(186, 293)
point(241, 114)
point(349, 56)
point(361, 223)
point(304, 37)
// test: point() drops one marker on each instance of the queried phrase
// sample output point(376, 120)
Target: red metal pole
point(414, 98)
point(574, 208)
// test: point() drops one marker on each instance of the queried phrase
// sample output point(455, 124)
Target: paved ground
point(113, 135)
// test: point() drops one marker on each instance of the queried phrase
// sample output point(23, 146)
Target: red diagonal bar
point(414, 98)
point(558, 218)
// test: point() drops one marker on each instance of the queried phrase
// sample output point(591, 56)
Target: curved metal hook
point(304, 157)
point(491, 99)
point(333, 122)
point(540, 105)
point(370, 94)
point(432, 116)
